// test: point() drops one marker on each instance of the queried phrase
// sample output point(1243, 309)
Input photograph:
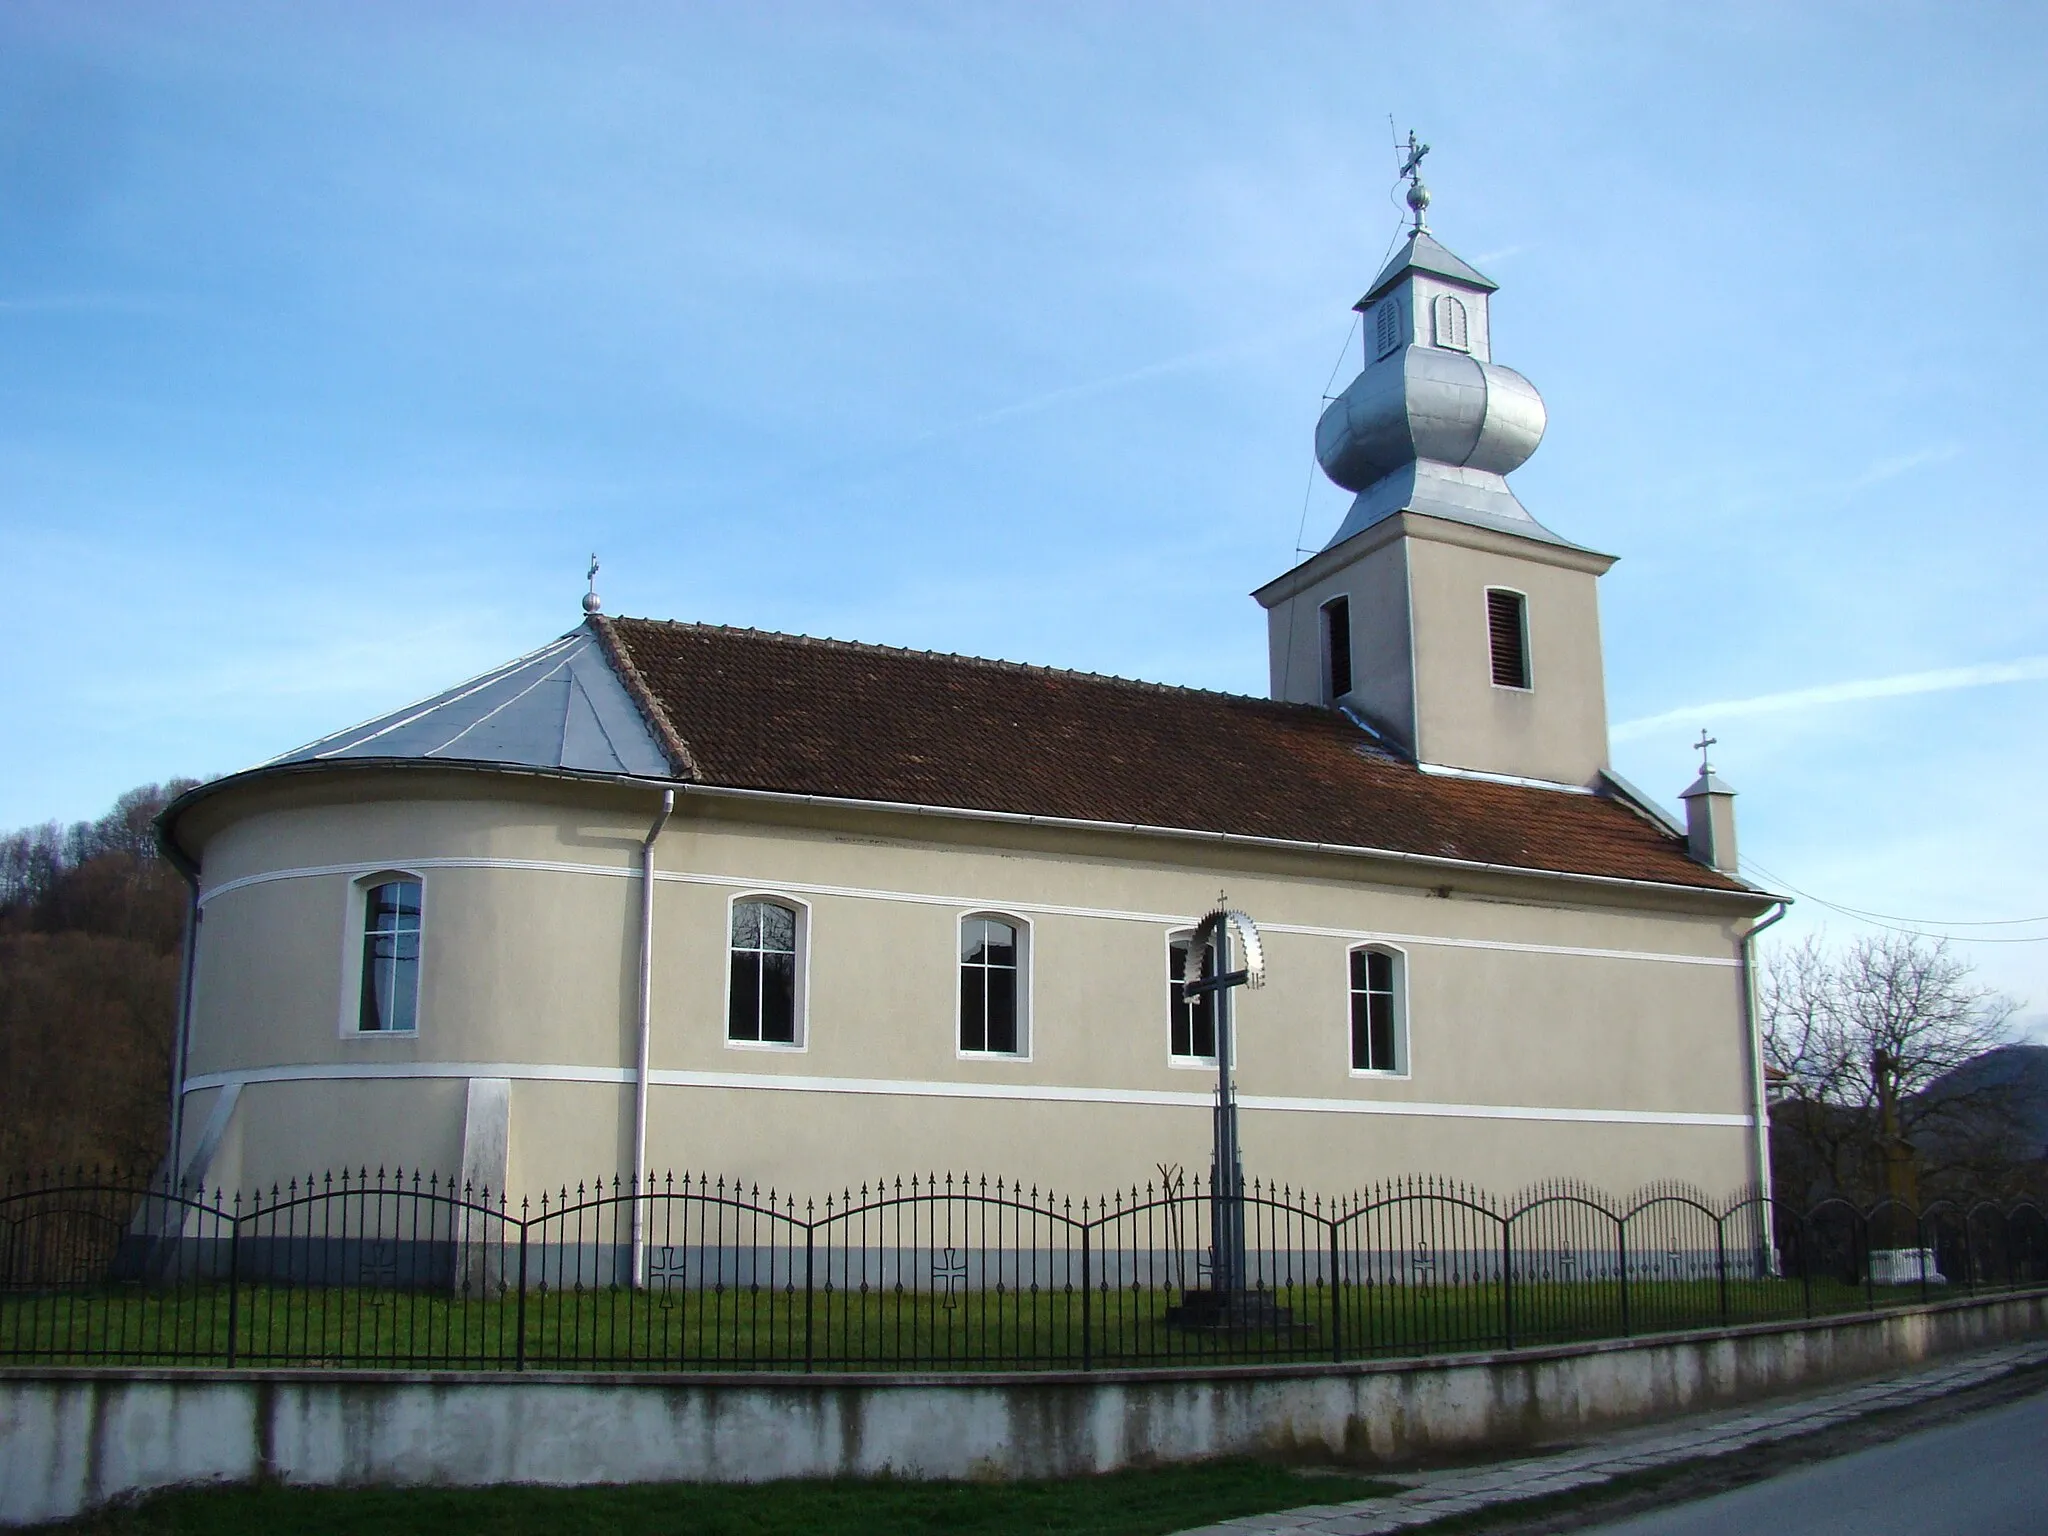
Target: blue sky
point(334, 338)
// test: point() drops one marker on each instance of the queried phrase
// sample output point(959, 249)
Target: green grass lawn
point(1119, 1504)
point(740, 1328)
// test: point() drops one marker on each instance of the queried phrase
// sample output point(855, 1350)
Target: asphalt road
point(1983, 1475)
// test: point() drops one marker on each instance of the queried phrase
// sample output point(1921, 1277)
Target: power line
point(1908, 926)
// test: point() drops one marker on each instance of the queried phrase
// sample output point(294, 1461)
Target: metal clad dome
point(1432, 428)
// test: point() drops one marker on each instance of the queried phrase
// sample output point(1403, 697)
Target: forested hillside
point(91, 921)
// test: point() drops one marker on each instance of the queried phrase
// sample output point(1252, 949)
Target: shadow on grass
point(1143, 1503)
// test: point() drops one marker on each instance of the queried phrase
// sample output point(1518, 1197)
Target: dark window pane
point(778, 998)
point(746, 925)
point(1379, 971)
point(1381, 1011)
point(1002, 943)
point(1361, 1032)
point(1337, 645)
point(973, 1008)
point(743, 1012)
point(1507, 638)
point(1361, 969)
point(1002, 1011)
point(974, 942)
point(778, 928)
point(390, 991)
point(1194, 1029)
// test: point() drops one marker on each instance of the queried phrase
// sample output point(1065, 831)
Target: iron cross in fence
point(667, 1268)
point(949, 1270)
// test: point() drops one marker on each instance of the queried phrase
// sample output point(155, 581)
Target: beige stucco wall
point(1557, 728)
point(531, 912)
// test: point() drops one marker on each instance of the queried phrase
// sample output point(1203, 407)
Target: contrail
point(2028, 669)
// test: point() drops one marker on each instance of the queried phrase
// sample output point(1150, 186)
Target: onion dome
point(1432, 423)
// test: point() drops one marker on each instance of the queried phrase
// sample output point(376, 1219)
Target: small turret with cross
point(1710, 814)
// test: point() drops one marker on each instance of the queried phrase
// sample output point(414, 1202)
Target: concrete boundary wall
point(72, 1438)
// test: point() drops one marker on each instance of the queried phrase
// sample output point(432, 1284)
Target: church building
point(671, 896)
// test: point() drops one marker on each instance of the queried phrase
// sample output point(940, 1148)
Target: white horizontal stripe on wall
point(963, 903)
point(912, 1089)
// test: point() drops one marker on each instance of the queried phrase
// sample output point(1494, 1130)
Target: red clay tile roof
point(860, 722)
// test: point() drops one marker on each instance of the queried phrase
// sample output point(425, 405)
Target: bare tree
point(1861, 1044)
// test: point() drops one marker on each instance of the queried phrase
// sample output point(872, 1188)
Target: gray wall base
point(72, 1439)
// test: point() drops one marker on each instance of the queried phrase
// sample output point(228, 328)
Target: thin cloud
point(2028, 669)
point(1904, 464)
point(1488, 258)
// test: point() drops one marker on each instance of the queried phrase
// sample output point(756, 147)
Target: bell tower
point(1441, 613)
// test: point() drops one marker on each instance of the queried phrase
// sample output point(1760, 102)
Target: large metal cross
point(1226, 1180)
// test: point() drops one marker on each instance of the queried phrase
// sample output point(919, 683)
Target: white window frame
point(1187, 1063)
point(355, 923)
point(1451, 323)
point(802, 909)
point(1404, 1065)
point(1027, 1032)
point(1528, 640)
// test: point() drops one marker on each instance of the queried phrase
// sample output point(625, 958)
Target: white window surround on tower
point(1452, 327)
point(992, 1010)
point(382, 946)
point(767, 972)
point(1376, 1017)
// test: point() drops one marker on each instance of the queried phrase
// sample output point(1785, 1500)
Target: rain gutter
point(1759, 1102)
point(668, 805)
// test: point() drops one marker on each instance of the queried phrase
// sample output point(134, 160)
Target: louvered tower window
point(1451, 329)
point(1386, 327)
point(1507, 633)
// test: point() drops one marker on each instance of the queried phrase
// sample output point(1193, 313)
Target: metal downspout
point(668, 805)
point(1759, 1102)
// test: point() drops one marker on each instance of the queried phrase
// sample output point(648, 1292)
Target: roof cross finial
point(1701, 746)
point(592, 603)
point(1418, 194)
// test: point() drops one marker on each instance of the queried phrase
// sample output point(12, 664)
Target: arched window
point(764, 994)
point(1378, 1007)
point(1386, 323)
point(1451, 323)
point(388, 989)
point(1191, 1021)
point(994, 970)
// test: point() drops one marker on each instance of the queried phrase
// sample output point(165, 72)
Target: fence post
point(1336, 1301)
point(234, 1275)
point(810, 1246)
point(1806, 1261)
point(1920, 1244)
point(1087, 1297)
point(519, 1311)
point(1507, 1283)
point(1721, 1263)
point(1869, 1270)
point(1621, 1248)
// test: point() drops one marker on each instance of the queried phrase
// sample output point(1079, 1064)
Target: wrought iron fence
point(693, 1273)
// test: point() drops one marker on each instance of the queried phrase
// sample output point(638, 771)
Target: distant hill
point(2011, 1083)
point(91, 924)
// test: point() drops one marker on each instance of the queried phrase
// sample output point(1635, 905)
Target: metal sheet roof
point(1423, 253)
point(561, 706)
